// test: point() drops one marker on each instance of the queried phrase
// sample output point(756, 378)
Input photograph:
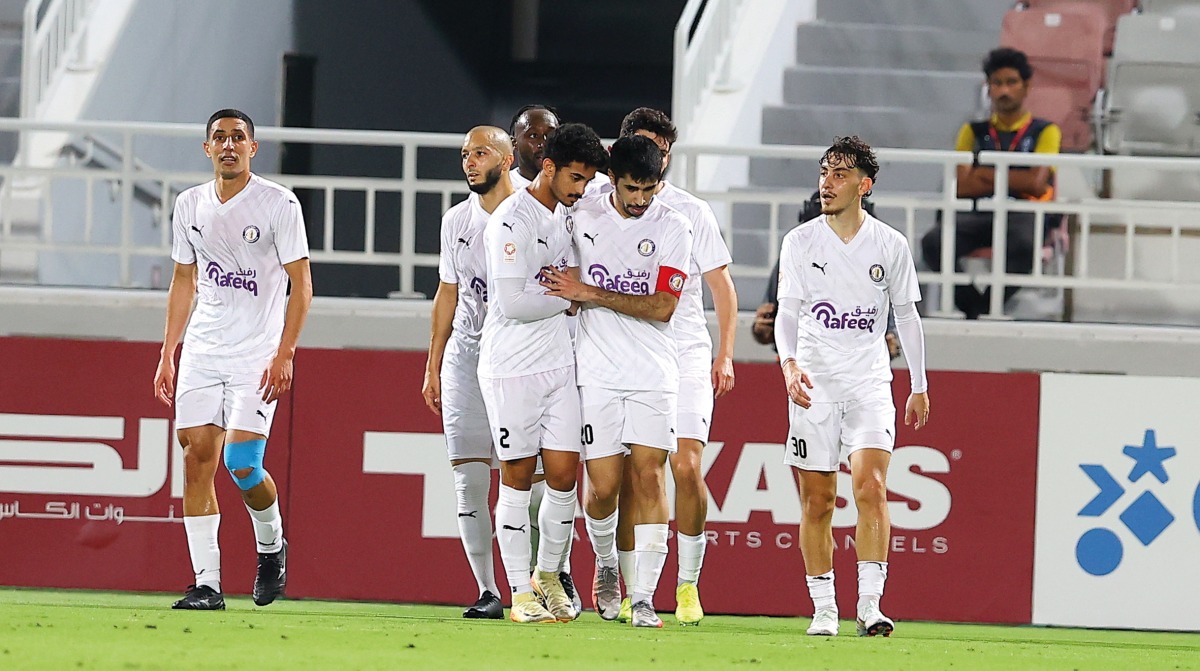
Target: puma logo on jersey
point(591, 238)
point(508, 226)
point(465, 241)
point(820, 267)
point(198, 231)
point(260, 414)
point(543, 242)
point(520, 529)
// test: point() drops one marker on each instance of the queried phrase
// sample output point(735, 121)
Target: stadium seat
point(1171, 7)
point(1153, 99)
point(1065, 45)
point(1113, 10)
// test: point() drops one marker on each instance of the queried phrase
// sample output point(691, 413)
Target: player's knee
point(687, 474)
point(870, 492)
point(603, 492)
point(818, 505)
point(649, 481)
point(245, 462)
point(199, 463)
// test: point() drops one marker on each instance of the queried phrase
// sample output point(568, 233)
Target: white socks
point(691, 557)
point(472, 484)
point(820, 588)
point(202, 545)
point(537, 494)
point(871, 577)
point(555, 522)
point(650, 548)
point(628, 561)
point(603, 534)
point(512, 534)
point(268, 527)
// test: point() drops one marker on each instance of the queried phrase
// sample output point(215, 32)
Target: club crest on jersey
point(570, 224)
point(876, 273)
point(646, 247)
point(242, 279)
point(676, 282)
point(510, 252)
point(860, 319)
point(251, 234)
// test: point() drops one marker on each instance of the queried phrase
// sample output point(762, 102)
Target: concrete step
point(881, 87)
point(958, 15)
point(879, 126)
point(904, 47)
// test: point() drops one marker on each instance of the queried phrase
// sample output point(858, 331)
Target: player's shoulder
point(673, 217)
point(192, 195)
point(272, 192)
point(459, 212)
point(805, 233)
point(886, 234)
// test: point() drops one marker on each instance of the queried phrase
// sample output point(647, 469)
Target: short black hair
point(1004, 57)
point(575, 142)
point(855, 153)
point(636, 157)
point(512, 125)
point(655, 121)
point(228, 113)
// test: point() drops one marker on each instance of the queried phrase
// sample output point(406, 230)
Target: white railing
point(54, 31)
point(702, 57)
point(117, 226)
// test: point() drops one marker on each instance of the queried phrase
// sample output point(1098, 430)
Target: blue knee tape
point(246, 454)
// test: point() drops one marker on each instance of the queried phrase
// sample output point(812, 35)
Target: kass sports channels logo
point(242, 279)
point(863, 319)
point(632, 282)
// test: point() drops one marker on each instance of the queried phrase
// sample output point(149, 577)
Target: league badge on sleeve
point(510, 252)
point(250, 234)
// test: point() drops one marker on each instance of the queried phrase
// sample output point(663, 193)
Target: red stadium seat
point(1065, 45)
point(1113, 9)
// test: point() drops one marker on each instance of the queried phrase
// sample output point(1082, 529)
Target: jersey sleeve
point(791, 271)
point(674, 257)
point(181, 248)
point(446, 271)
point(291, 240)
point(708, 247)
point(510, 244)
point(904, 287)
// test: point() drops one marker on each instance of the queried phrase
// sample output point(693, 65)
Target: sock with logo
point(557, 522)
point(268, 528)
point(512, 534)
point(472, 485)
point(820, 588)
point(603, 534)
point(691, 557)
point(871, 577)
point(650, 548)
point(204, 550)
point(537, 495)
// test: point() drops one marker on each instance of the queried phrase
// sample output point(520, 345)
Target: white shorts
point(533, 412)
point(227, 400)
point(614, 419)
point(464, 417)
point(820, 437)
point(695, 393)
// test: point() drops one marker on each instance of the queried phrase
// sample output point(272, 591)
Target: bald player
point(451, 386)
point(529, 128)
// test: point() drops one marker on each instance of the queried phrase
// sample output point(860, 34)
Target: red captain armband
point(670, 280)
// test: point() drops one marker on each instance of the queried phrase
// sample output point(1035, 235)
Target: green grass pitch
point(63, 630)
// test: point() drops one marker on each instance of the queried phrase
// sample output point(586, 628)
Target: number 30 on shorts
point(799, 447)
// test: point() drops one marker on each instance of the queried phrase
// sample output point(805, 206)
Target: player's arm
point(179, 307)
point(912, 341)
point(658, 306)
point(277, 378)
point(725, 303)
point(441, 326)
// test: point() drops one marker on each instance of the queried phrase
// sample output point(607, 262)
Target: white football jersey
point(239, 248)
point(518, 180)
point(636, 256)
point(463, 262)
point(521, 238)
point(845, 291)
point(708, 253)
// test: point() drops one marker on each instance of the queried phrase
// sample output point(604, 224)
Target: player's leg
point(650, 431)
point(627, 515)
point(514, 411)
point(560, 458)
point(604, 458)
point(199, 419)
point(691, 495)
point(813, 450)
point(869, 427)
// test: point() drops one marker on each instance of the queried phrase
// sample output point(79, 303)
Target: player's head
point(1008, 72)
point(230, 142)
point(570, 160)
point(529, 128)
point(635, 167)
point(655, 125)
point(848, 170)
point(487, 153)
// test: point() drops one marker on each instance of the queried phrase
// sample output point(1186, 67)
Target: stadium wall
point(1000, 510)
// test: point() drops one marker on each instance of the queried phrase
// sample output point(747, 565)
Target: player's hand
point(916, 411)
point(722, 376)
point(893, 344)
point(796, 380)
point(763, 328)
point(560, 283)
point(276, 379)
point(164, 380)
point(431, 389)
